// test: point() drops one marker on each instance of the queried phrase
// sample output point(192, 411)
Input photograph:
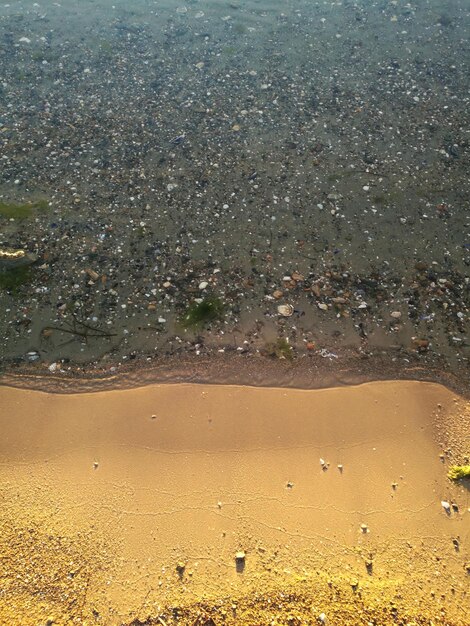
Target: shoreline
point(341, 369)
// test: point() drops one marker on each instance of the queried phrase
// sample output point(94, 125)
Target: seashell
point(285, 310)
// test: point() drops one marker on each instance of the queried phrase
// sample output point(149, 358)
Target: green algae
point(14, 278)
point(199, 314)
point(11, 210)
point(280, 349)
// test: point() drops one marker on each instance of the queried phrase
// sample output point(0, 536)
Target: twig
point(80, 333)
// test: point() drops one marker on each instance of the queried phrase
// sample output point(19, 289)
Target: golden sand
point(121, 506)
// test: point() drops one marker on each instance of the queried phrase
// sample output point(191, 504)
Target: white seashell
point(285, 309)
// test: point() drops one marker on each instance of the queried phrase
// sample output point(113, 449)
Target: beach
point(234, 312)
point(224, 504)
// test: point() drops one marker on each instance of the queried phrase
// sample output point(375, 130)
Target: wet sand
point(129, 505)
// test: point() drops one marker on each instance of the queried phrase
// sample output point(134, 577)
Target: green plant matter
point(280, 349)
point(11, 210)
point(456, 472)
point(199, 314)
point(13, 278)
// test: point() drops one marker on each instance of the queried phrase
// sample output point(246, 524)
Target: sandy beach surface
point(130, 506)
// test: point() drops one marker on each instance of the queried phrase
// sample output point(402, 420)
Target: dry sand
point(130, 505)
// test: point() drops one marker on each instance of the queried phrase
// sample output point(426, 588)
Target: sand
point(129, 506)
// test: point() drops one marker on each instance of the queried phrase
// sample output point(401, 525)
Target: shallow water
point(258, 153)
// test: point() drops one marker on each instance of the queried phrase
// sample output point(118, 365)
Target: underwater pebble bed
point(282, 178)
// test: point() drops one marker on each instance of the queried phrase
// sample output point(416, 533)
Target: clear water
point(207, 151)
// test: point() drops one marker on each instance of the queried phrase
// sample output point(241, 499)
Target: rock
point(364, 528)
point(240, 556)
point(322, 306)
point(446, 506)
point(203, 284)
point(297, 276)
point(286, 310)
point(395, 314)
point(92, 274)
point(277, 294)
point(53, 367)
point(420, 344)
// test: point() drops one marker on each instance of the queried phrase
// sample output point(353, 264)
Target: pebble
point(203, 284)
point(395, 314)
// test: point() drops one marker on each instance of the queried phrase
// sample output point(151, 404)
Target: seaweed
point(199, 314)
point(11, 210)
point(280, 349)
point(14, 278)
point(457, 472)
